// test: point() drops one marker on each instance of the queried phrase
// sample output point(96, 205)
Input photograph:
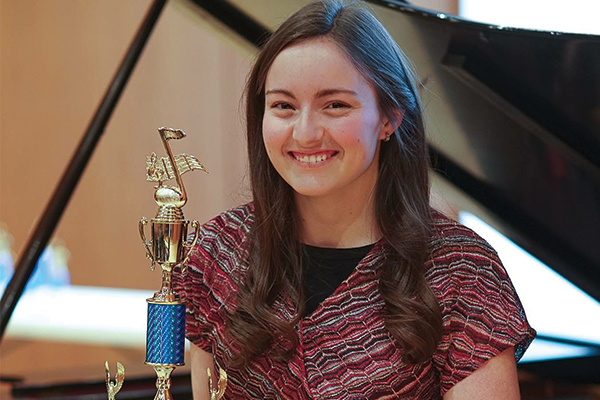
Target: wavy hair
point(402, 210)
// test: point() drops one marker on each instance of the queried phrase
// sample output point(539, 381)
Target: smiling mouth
point(312, 158)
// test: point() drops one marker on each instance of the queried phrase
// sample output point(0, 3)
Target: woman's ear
point(391, 125)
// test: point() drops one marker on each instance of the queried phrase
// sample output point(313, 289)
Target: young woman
point(338, 281)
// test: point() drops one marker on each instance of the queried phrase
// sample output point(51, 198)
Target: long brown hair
point(401, 204)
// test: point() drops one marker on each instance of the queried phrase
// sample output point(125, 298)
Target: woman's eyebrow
point(329, 92)
point(280, 91)
point(320, 93)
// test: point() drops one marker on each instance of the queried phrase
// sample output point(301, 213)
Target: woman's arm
point(494, 380)
point(200, 361)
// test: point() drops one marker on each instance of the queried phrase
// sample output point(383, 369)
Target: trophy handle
point(190, 245)
point(147, 243)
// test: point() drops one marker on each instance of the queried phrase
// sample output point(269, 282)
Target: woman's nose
point(307, 129)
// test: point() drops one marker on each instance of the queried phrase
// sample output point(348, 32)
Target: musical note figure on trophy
point(170, 199)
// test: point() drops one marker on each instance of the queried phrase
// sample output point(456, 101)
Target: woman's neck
point(336, 221)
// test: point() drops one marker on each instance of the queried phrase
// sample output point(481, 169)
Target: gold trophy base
point(163, 381)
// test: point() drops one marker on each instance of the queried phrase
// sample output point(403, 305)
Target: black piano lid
point(527, 67)
point(515, 120)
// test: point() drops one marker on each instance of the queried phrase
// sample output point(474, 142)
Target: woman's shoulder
point(229, 228)
point(223, 238)
point(235, 221)
point(450, 241)
point(459, 257)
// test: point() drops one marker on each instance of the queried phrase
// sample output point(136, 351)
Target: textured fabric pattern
point(345, 352)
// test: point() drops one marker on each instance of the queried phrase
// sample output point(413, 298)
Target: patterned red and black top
point(345, 351)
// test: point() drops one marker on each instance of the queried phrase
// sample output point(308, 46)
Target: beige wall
point(57, 60)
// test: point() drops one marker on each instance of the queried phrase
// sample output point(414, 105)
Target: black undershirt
point(325, 269)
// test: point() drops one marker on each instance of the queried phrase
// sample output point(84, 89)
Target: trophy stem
point(163, 382)
point(167, 281)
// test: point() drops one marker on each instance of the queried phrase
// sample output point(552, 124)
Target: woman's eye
point(283, 106)
point(337, 104)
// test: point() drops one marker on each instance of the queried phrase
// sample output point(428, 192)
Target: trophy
point(113, 387)
point(168, 247)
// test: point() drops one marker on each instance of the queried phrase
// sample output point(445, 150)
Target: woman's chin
point(312, 191)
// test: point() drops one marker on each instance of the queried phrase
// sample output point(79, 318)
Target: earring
point(387, 137)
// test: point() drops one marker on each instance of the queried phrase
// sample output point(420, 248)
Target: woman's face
point(322, 127)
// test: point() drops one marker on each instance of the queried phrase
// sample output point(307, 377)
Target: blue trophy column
point(165, 338)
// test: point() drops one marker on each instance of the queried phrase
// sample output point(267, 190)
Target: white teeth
point(312, 159)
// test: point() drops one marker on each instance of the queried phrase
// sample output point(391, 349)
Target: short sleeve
point(210, 284)
point(481, 312)
point(193, 289)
